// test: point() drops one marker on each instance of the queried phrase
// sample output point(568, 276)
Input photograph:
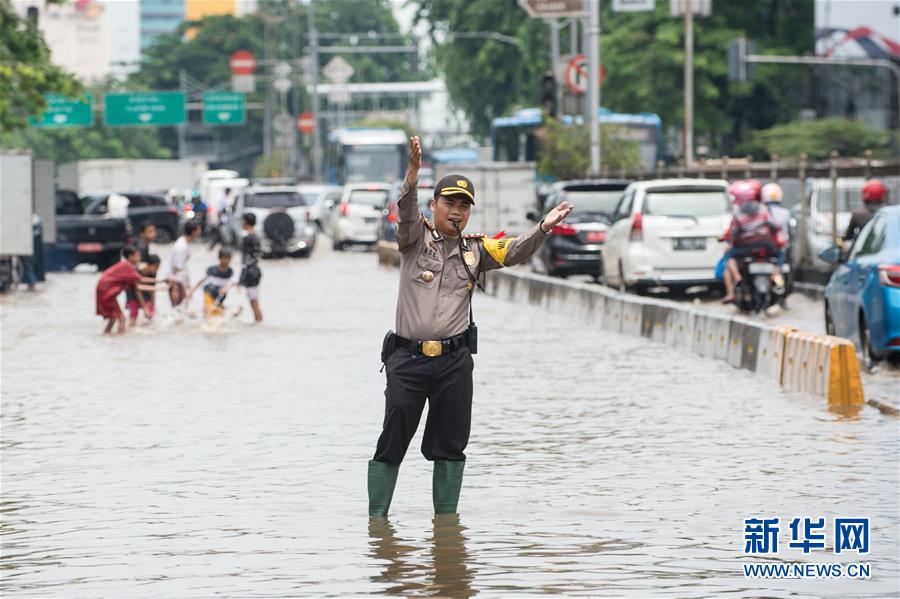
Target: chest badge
point(427, 276)
point(469, 257)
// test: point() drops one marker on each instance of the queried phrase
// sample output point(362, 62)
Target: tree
point(279, 30)
point(487, 77)
point(643, 54)
point(26, 73)
point(818, 138)
point(565, 152)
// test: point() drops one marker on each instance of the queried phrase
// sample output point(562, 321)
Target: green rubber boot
point(445, 485)
point(382, 479)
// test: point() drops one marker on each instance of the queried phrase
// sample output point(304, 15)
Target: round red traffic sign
point(576, 74)
point(306, 124)
point(242, 63)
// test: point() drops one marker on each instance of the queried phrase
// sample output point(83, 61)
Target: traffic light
point(548, 93)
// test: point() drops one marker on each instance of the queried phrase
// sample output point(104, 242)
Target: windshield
point(692, 203)
point(593, 202)
point(376, 198)
point(277, 199)
point(373, 163)
point(848, 199)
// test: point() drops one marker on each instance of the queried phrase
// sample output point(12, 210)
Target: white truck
point(16, 213)
point(121, 174)
point(505, 193)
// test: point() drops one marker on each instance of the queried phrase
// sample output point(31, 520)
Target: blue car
point(862, 298)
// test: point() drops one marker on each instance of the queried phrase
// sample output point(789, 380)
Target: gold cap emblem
point(462, 183)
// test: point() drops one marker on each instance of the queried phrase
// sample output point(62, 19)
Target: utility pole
point(594, 85)
point(554, 62)
point(688, 84)
point(314, 81)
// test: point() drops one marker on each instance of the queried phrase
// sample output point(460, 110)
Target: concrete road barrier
point(819, 365)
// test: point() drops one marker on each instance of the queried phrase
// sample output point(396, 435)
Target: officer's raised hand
point(415, 160)
point(556, 216)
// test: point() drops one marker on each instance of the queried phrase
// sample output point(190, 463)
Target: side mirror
point(532, 216)
point(329, 204)
point(831, 255)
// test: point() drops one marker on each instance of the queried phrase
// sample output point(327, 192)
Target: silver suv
point(284, 220)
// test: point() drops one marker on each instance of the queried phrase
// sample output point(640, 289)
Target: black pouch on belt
point(472, 338)
point(388, 346)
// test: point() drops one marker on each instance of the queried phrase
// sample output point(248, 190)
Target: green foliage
point(26, 73)
point(68, 145)
point(566, 154)
point(486, 77)
point(378, 123)
point(818, 138)
point(271, 165)
point(643, 53)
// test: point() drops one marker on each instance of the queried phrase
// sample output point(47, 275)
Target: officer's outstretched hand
point(556, 216)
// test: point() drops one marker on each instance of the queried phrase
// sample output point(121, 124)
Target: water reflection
point(445, 572)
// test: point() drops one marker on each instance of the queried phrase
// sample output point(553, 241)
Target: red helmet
point(745, 190)
point(873, 191)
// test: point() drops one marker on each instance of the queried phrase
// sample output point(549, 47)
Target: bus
point(363, 155)
point(513, 137)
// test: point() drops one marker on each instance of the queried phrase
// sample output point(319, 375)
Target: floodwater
point(197, 460)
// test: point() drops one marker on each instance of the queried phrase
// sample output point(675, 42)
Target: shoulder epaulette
point(474, 236)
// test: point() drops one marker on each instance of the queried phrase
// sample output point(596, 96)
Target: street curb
point(818, 365)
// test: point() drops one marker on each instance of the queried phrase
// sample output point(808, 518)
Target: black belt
point(433, 348)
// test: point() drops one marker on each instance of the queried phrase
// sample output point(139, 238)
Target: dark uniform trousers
point(446, 381)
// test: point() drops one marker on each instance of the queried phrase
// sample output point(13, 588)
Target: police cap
point(455, 185)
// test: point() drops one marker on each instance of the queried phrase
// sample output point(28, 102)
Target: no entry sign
point(242, 63)
point(305, 123)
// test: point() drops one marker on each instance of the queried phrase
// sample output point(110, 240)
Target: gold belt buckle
point(432, 348)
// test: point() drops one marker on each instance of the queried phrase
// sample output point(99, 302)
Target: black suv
point(575, 245)
point(142, 207)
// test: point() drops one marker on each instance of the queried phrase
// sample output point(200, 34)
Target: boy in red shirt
point(116, 279)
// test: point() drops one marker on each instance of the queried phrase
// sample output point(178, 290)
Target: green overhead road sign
point(66, 112)
point(223, 108)
point(144, 108)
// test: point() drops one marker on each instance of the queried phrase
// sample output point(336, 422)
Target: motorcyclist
point(772, 194)
point(752, 229)
point(873, 198)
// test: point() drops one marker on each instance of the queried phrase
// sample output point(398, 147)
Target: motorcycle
point(756, 291)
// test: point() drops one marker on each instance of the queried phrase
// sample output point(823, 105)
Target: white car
point(326, 197)
point(666, 232)
point(284, 220)
point(355, 219)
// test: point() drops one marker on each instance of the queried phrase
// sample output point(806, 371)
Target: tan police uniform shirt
point(433, 302)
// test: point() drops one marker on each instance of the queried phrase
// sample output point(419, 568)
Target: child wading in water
point(218, 280)
point(116, 279)
point(250, 255)
point(148, 269)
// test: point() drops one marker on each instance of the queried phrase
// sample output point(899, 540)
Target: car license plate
point(595, 236)
point(90, 248)
point(689, 243)
point(370, 219)
point(760, 268)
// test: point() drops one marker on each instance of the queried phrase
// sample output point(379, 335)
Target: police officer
point(430, 356)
